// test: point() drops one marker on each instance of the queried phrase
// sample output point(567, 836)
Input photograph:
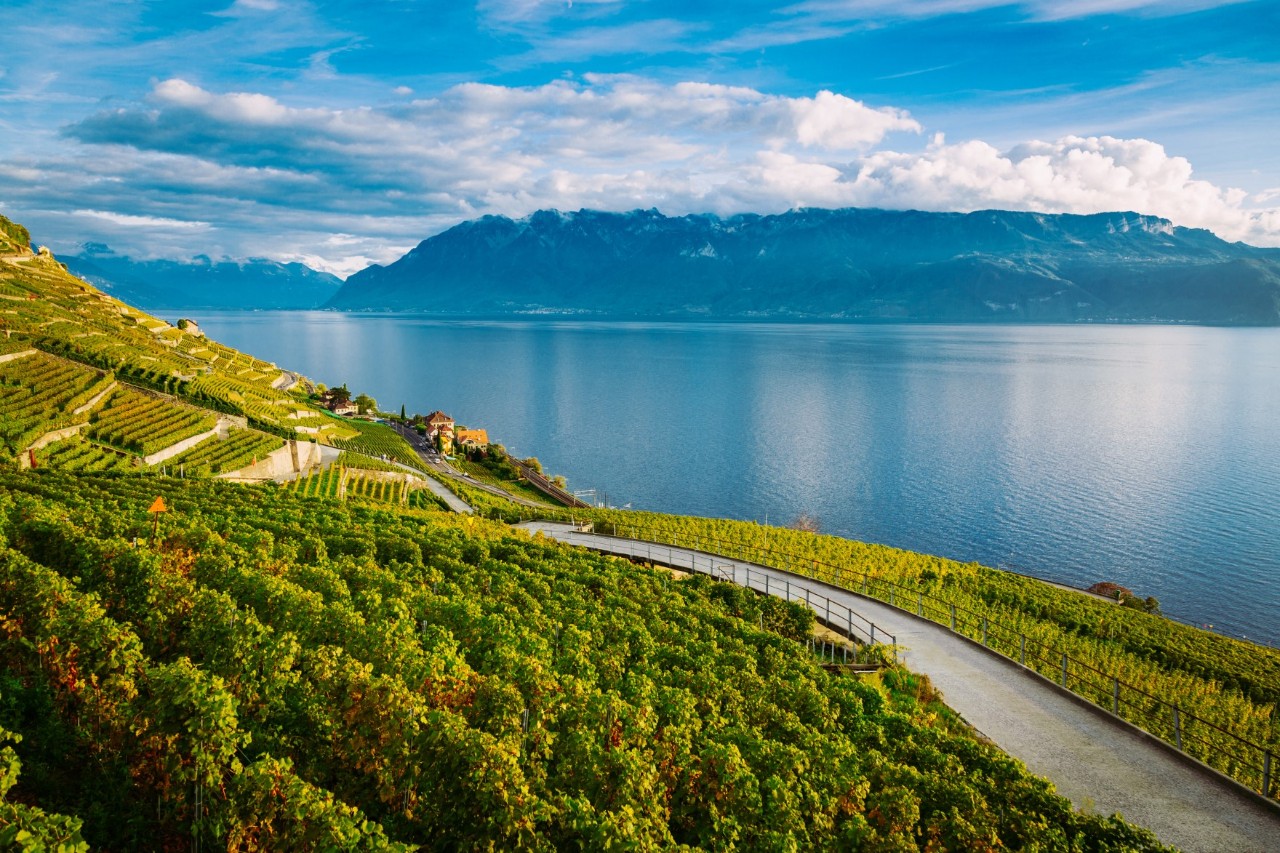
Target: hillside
point(201, 283)
point(868, 265)
point(93, 383)
point(270, 673)
point(257, 669)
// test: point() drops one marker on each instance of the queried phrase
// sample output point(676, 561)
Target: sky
point(341, 134)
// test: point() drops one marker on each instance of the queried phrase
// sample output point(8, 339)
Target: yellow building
point(471, 437)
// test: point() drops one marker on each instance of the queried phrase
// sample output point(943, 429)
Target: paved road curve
point(1099, 765)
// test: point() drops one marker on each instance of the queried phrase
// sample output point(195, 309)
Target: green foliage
point(79, 454)
point(1232, 686)
point(379, 441)
point(62, 315)
point(144, 424)
point(218, 456)
point(281, 673)
point(18, 238)
point(40, 393)
point(26, 827)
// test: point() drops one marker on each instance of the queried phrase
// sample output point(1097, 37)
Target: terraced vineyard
point(40, 393)
point(78, 454)
point(351, 459)
point(277, 673)
point(379, 440)
point(217, 456)
point(1226, 692)
point(143, 424)
point(319, 484)
point(43, 307)
point(247, 394)
point(349, 479)
point(372, 488)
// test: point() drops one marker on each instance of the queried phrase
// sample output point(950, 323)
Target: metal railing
point(852, 624)
point(1251, 764)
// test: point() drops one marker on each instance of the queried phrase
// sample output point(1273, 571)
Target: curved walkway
point(1101, 765)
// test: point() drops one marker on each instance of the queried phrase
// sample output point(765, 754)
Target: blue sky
point(343, 133)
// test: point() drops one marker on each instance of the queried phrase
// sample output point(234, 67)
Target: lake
point(1144, 455)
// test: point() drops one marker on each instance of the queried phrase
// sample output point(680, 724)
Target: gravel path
point(1101, 765)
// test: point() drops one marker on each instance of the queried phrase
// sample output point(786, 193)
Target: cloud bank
point(340, 188)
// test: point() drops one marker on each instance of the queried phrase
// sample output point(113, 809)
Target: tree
point(403, 416)
point(340, 396)
point(366, 404)
point(807, 523)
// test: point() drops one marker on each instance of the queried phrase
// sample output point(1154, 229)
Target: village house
point(472, 437)
point(438, 422)
point(191, 327)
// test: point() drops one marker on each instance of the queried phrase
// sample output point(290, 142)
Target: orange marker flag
point(157, 507)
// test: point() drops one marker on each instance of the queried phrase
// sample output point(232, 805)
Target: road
point(1098, 763)
point(435, 462)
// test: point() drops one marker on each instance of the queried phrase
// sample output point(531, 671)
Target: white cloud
point(133, 221)
point(1044, 10)
point(524, 11)
point(1070, 175)
point(265, 178)
point(242, 8)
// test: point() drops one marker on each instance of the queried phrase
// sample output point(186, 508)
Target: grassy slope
point(416, 677)
point(44, 307)
point(245, 575)
point(1232, 684)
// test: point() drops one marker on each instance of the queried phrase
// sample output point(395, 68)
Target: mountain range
point(202, 282)
point(849, 265)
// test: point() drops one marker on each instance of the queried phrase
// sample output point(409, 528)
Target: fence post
point(787, 581)
point(984, 630)
point(891, 604)
point(953, 617)
point(848, 622)
point(1115, 695)
point(920, 605)
point(1177, 727)
point(864, 584)
point(828, 611)
point(873, 632)
point(1064, 672)
point(1266, 773)
point(1022, 649)
point(766, 584)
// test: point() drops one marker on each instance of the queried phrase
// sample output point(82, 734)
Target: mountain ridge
point(253, 283)
point(852, 264)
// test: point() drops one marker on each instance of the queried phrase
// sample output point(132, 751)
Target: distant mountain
point(204, 283)
point(854, 264)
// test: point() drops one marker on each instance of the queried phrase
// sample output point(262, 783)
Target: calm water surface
point(1145, 455)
